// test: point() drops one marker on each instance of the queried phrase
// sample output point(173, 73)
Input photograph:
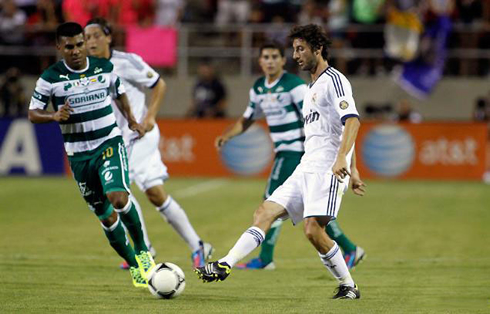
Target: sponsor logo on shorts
point(107, 163)
point(108, 176)
point(83, 189)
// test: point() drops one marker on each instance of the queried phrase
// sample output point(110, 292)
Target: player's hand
point(220, 141)
point(138, 128)
point(339, 168)
point(149, 123)
point(63, 113)
point(356, 184)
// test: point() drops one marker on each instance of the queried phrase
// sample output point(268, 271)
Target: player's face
point(98, 44)
point(271, 61)
point(303, 55)
point(73, 50)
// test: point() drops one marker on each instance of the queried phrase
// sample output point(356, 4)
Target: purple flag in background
point(420, 76)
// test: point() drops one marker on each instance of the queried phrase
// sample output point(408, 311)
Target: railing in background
point(236, 46)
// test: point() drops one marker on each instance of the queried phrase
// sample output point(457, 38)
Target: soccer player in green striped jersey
point(278, 96)
point(81, 89)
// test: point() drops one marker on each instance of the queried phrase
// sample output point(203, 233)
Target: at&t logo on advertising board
point(249, 153)
point(388, 150)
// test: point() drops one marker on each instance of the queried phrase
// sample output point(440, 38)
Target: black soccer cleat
point(347, 292)
point(213, 271)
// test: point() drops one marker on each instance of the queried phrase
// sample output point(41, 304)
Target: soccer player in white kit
point(313, 192)
point(146, 168)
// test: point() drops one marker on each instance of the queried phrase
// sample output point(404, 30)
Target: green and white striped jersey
point(89, 92)
point(281, 103)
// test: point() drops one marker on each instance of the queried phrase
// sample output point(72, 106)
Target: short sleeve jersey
point(280, 102)
point(328, 103)
point(89, 92)
point(136, 76)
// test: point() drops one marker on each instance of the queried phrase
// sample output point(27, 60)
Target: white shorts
point(146, 168)
point(308, 194)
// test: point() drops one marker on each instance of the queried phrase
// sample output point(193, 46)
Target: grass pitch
point(427, 244)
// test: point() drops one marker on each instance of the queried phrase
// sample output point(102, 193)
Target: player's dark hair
point(314, 35)
point(272, 45)
point(68, 29)
point(102, 23)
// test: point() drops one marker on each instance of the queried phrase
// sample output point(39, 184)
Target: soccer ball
point(166, 281)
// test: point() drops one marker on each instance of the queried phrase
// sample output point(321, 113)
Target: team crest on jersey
point(313, 99)
point(97, 70)
point(279, 89)
point(149, 74)
point(344, 105)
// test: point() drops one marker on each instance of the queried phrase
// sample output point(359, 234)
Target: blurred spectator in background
point(277, 31)
point(12, 20)
point(470, 13)
point(82, 11)
point(145, 11)
point(406, 113)
point(273, 8)
point(169, 12)
point(28, 6)
point(403, 29)
point(233, 11)
point(338, 19)
point(209, 94)
point(369, 12)
point(481, 112)
point(41, 24)
point(12, 94)
point(311, 13)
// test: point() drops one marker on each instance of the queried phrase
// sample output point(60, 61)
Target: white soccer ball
point(166, 281)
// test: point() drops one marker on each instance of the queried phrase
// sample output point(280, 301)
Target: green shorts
point(283, 167)
point(105, 172)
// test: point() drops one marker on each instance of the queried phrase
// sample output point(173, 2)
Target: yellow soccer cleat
point(138, 280)
point(146, 263)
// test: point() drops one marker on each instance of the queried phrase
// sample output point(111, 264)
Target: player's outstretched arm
point(356, 184)
point(122, 103)
point(238, 128)
point(349, 135)
point(44, 116)
point(156, 98)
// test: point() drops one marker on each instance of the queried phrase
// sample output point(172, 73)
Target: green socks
point(267, 251)
point(118, 240)
point(131, 220)
point(336, 234)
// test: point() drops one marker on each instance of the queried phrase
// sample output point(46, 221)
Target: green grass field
point(428, 246)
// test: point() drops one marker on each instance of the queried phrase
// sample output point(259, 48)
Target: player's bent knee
point(312, 228)
point(266, 214)
point(118, 199)
point(109, 221)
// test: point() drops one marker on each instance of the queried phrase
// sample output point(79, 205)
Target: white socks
point(176, 217)
point(249, 240)
point(335, 263)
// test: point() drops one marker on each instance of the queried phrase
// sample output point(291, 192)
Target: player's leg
point(175, 215)
point(143, 224)
point(323, 196)
point(149, 173)
point(353, 254)
point(113, 174)
point(264, 216)
point(85, 174)
point(284, 165)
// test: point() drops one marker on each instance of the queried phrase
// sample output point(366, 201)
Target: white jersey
point(327, 103)
point(136, 76)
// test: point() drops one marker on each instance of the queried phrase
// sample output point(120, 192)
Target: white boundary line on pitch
point(199, 188)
